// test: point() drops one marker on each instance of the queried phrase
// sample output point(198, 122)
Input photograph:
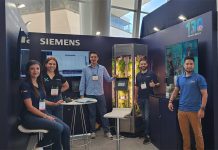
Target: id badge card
point(54, 92)
point(143, 86)
point(42, 105)
point(95, 77)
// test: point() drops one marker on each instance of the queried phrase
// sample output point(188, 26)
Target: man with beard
point(192, 103)
point(146, 80)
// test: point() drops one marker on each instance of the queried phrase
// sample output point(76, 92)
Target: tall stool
point(29, 131)
point(118, 113)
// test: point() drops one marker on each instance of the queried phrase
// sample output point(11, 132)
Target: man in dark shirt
point(146, 80)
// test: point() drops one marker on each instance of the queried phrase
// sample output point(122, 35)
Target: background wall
point(10, 26)
point(103, 45)
point(167, 16)
point(157, 43)
point(4, 79)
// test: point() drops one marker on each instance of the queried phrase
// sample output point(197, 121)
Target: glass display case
point(125, 64)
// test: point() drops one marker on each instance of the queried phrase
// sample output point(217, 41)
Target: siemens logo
point(53, 41)
point(64, 42)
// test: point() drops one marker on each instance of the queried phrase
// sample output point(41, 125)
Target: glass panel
point(152, 5)
point(140, 23)
point(123, 3)
point(122, 21)
point(33, 15)
point(32, 6)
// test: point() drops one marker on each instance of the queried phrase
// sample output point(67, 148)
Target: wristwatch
point(203, 108)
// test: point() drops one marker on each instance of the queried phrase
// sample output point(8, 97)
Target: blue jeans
point(56, 111)
point(102, 109)
point(144, 107)
point(58, 131)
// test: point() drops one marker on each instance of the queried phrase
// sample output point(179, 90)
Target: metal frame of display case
point(133, 123)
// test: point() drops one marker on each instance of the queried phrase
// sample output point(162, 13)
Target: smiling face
point(93, 58)
point(51, 65)
point(189, 65)
point(143, 65)
point(34, 71)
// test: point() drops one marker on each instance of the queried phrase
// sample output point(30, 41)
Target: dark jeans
point(58, 131)
point(144, 107)
point(56, 111)
point(102, 109)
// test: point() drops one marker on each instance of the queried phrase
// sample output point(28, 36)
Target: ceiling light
point(98, 33)
point(156, 29)
point(21, 5)
point(12, 5)
point(182, 17)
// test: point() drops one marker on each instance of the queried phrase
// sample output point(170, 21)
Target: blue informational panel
point(174, 60)
point(70, 63)
point(175, 55)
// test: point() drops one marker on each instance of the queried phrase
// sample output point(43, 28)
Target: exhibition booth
point(165, 51)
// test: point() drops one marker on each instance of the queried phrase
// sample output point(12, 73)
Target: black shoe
point(147, 140)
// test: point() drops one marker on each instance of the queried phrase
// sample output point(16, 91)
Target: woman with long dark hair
point(34, 114)
point(54, 84)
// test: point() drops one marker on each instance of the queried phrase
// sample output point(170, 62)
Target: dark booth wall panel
point(3, 80)
point(9, 29)
point(167, 15)
point(157, 43)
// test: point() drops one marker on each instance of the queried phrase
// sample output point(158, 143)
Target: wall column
point(95, 16)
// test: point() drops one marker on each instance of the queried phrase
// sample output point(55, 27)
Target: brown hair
point(93, 52)
point(39, 79)
point(47, 60)
point(143, 59)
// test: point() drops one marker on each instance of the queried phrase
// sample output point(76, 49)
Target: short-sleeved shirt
point(145, 78)
point(56, 82)
point(190, 91)
point(27, 91)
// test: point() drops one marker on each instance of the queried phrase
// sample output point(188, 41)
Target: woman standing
point(54, 84)
point(34, 114)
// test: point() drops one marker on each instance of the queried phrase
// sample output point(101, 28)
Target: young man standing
point(146, 80)
point(91, 85)
point(192, 103)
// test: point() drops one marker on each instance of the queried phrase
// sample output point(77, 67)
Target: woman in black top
point(34, 114)
point(54, 84)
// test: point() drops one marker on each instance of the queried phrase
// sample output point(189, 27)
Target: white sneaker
point(93, 135)
point(109, 135)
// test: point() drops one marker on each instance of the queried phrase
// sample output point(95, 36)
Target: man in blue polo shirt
point(91, 85)
point(192, 103)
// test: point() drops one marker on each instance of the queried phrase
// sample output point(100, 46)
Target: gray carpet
point(103, 143)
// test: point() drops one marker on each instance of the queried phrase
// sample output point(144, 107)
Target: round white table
point(80, 102)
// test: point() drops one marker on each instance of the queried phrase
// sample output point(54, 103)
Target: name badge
point(95, 78)
point(143, 86)
point(42, 105)
point(54, 92)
